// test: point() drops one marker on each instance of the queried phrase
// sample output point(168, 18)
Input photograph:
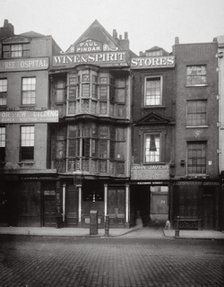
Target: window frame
point(189, 122)
point(31, 98)
point(160, 77)
point(29, 146)
point(196, 159)
point(189, 76)
point(22, 51)
point(145, 136)
point(2, 143)
point(3, 93)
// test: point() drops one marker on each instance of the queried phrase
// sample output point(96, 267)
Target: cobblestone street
point(54, 261)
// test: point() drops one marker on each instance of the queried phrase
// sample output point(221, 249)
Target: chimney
point(114, 33)
point(177, 41)
point(124, 42)
point(7, 30)
point(126, 35)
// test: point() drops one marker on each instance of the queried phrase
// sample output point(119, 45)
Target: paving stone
point(57, 262)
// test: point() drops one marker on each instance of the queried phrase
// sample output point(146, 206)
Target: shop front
point(196, 204)
point(149, 195)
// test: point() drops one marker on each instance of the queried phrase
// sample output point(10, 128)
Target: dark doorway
point(140, 204)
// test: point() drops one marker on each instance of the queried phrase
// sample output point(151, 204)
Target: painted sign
point(11, 117)
point(101, 59)
point(24, 64)
point(91, 46)
point(88, 46)
point(150, 172)
point(152, 62)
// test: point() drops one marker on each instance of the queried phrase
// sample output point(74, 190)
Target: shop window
point(196, 75)
point(3, 92)
point(196, 157)
point(153, 91)
point(152, 148)
point(2, 143)
point(196, 113)
point(16, 51)
point(28, 91)
point(27, 143)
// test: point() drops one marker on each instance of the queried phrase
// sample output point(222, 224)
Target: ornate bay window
point(96, 93)
point(96, 149)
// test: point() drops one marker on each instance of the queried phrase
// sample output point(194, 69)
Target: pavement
point(135, 232)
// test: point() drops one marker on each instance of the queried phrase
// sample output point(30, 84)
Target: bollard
point(177, 230)
point(93, 222)
point(107, 226)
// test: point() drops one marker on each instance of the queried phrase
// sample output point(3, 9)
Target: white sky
point(148, 22)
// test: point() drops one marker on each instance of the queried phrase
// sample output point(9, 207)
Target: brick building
point(24, 122)
point(196, 188)
point(153, 114)
point(220, 57)
point(99, 128)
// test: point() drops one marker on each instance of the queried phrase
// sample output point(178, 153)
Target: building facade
point(153, 114)
point(220, 57)
point(90, 146)
point(24, 122)
point(196, 185)
point(100, 128)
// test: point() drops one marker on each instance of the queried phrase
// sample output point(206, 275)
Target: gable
point(153, 119)
point(94, 39)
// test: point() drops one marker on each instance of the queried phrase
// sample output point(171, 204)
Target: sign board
point(102, 59)
point(11, 117)
point(152, 62)
point(150, 172)
point(28, 64)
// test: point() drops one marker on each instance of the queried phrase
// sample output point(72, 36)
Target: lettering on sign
point(104, 59)
point(152, 62)
point(89, 46)
point(24, 64)
point(150, 172)
point(11, 117)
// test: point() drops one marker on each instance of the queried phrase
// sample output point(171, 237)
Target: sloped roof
point(32, 34)
point(98, 33)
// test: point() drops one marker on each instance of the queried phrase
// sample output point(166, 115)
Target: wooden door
point(71, 206)
point(116, 205)
point(208, 212)
point(49, 212)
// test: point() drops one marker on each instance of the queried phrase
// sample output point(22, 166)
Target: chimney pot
point(176, 40)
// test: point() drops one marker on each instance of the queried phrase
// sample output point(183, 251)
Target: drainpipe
point(63, 201)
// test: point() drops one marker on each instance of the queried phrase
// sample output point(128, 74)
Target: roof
point(32, 34)
point(98, 33)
